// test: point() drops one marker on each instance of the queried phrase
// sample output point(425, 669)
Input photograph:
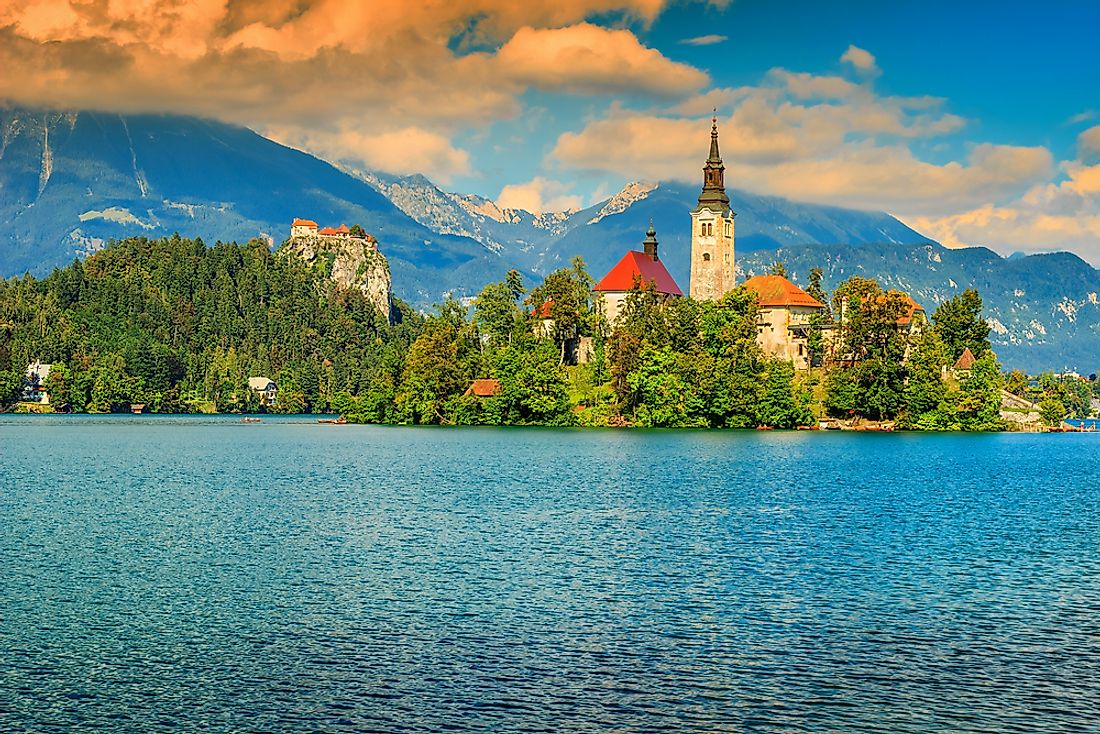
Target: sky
point(975, 123)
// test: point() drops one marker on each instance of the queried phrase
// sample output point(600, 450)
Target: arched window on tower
point(728, 228)
point(706, 257)
point(703, 229)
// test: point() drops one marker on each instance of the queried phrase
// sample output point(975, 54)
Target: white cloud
point(402, 151)
point(1088, 142)
point(591, 59)
point(539, 195)
point(861, 59)
point(707, 40)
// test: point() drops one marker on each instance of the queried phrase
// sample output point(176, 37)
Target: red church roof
point(637, 266)
point(775, 290)
point(303, 223)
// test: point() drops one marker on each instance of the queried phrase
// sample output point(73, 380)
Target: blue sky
point(976, 123)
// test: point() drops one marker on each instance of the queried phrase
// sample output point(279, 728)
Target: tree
point(565, 297)
point(961, 326)
point(782, 404)
point(357, 231)
point(819, 320)
point(1051, 411)
point(778, 268)
point(496, 310)
point(1017, 383)
point(979, 404)
point(926, 390)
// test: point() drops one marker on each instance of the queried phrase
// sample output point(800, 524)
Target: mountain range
point(70, 182)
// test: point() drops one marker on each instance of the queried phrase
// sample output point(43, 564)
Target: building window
point(706, 257)
point(728, 227)
point(703, 229)
point(727, 258)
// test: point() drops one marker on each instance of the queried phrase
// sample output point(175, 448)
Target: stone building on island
point(783, 324)
point(636, 268)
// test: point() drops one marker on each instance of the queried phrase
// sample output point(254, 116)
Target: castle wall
point(775, 337)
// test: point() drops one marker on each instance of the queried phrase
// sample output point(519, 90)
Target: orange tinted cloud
point(325, 66)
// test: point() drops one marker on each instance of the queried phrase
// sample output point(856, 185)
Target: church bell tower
point(712, 264)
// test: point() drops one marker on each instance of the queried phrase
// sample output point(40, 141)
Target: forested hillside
point(181, 327)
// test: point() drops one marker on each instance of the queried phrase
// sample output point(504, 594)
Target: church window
point(706, 257)
point(703, 229)
point(727, 229)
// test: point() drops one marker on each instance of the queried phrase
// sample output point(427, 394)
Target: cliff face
point(350, 263)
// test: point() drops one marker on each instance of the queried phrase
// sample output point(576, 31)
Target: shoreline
point(1090, 425)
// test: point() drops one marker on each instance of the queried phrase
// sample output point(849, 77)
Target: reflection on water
point(198, 574)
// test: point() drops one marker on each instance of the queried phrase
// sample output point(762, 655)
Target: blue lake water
point(168, 574)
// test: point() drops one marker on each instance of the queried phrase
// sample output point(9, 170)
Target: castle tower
point(712, 231)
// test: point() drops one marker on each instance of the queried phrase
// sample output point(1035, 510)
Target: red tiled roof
point(775, 290)
point(543, 311)
point(484, 388)
point(303, 223)
point(966, 360)
point(328, 230)
point(911, 307)
point(639, 266)
point(343, 229)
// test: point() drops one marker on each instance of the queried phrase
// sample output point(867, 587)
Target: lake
point(182, 573)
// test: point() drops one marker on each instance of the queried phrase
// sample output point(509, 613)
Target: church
point(785, 309)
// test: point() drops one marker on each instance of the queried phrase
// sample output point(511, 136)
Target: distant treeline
point(180, 327)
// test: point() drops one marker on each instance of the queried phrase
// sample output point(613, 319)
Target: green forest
point(180, 327)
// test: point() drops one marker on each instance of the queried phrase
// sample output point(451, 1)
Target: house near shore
point(784, 318)
point(265, 388)
point(483, 389)
point(34, 383)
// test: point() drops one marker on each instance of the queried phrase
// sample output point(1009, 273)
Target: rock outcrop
point(351, 263)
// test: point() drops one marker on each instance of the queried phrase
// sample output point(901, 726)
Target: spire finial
point(650, 243)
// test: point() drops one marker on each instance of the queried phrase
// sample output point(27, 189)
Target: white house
point(265, 388)
point(34, 383)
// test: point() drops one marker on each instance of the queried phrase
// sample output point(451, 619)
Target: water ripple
point(162, 575)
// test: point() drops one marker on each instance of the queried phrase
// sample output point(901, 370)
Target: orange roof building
point(775, 291)
point(782, 329)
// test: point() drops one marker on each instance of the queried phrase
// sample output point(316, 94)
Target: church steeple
point(649, 245)
point(714, 176)
point(713, 270)
point(714, 156)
